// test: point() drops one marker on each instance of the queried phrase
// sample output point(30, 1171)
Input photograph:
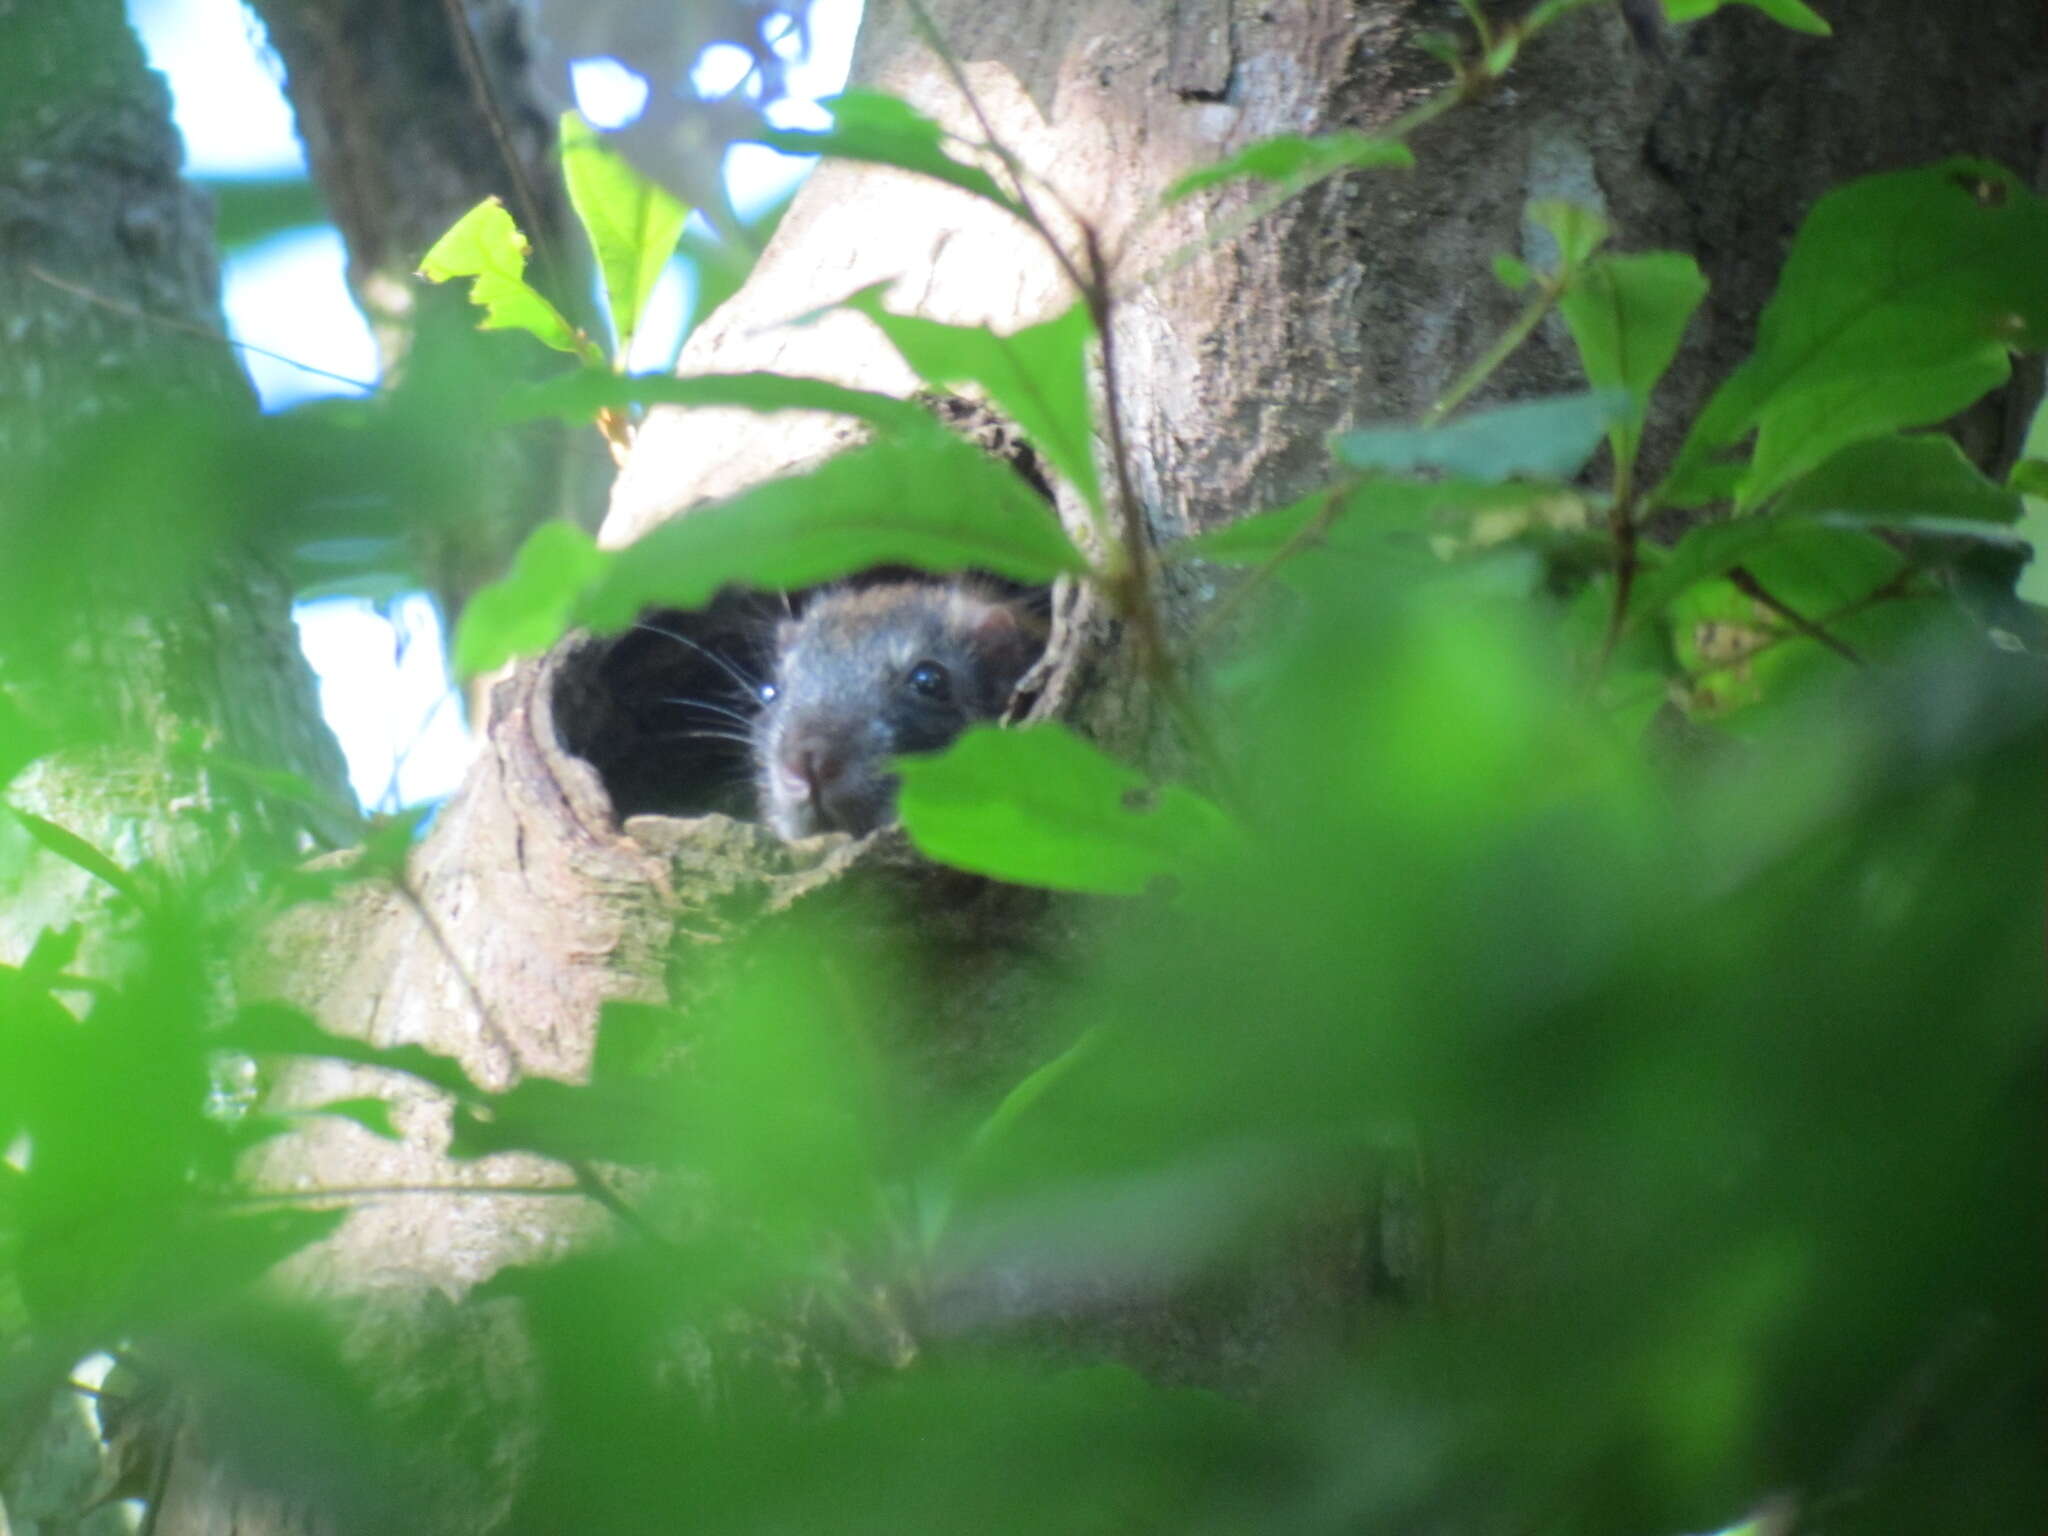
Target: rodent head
point(866, 674)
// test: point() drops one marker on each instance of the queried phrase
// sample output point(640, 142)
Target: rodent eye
point(767, 692)
point(929, 679)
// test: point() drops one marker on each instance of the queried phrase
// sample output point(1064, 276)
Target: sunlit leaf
point(1038, 376)
point(633, 223)
point(486, 246)
point(1040, 806)
point(1290, 155)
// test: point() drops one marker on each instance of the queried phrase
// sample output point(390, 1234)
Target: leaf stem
point(1502, 349)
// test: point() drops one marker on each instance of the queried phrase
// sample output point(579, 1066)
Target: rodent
point(864, 674)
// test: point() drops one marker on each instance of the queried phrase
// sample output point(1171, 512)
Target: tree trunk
point(1362, 300)
point(139, 619)
point(137, 606)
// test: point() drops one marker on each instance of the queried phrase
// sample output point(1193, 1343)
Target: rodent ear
point(1003, 630)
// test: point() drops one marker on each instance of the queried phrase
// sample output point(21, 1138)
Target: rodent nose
point(816, 766)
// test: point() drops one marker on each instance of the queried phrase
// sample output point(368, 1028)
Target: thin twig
point(590, 1184)
point(928, 29)
point(479, 78)
point(1504, 347)
point(1750, 587)
point(190, 328)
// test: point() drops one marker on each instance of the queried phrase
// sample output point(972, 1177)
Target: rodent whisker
point(723, 662)
point(707, 734)
point(710, 707)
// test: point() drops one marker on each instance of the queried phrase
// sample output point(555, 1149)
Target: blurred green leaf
point(248, 210)
point(880, 129)
point(935, 502)
point(1040, 806)
point(1890, 478)
point(531, 607)
point(1627, 314)
point(1795, 14)
point(1901, 300)
point(485, 246)
point(75, 850)
point(272, 1029)
point(1549, 439)
point(633, 224)
point(1341, 516)
point(616, 1123)
point(581, 395)
point(1705, 553)
point(1289, 155)
point(1037, 375)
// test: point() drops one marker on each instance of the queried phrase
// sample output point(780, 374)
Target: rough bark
point(122, 630)
point(1361, 301)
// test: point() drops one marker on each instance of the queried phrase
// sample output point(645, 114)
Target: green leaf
point(1795, 14)
point(934, 502)
point(1888, 479)
point(1813, 563)
point(1627, 314)
point(1038, 376)
point(1040, 806)
point(633, 223)
point(990, 1135)
point(1288, 156)
point(487, 247)
point(1513, 272)
point(1548, 439)
point(274, 1029)
point(574, 1122)
point(2029, 477)
point(581, 395)
point(529, 609)
point(881, 130)
point(248, 210)
point(1578, 230)
point(1899, 305)
point(73, 849)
